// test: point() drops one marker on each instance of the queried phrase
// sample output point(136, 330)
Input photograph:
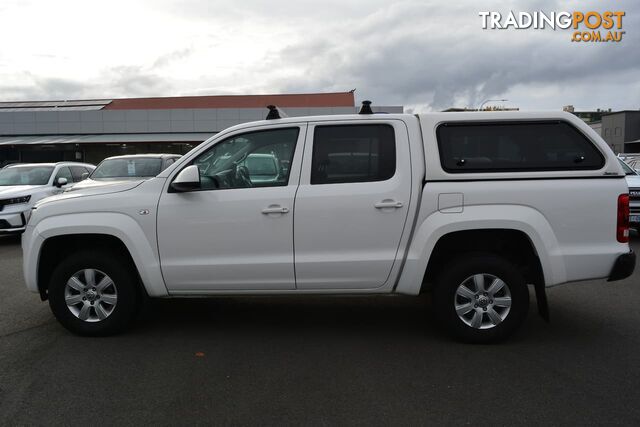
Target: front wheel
point(94, 293)
point(481, 298)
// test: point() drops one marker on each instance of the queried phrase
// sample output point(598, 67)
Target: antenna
point(366, 108)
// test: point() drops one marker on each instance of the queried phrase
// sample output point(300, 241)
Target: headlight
point(14, 201)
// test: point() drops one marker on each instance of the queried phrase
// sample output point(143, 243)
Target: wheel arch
point(57, 248)
point(114, 231)
point(513, 245)
point(516, 223)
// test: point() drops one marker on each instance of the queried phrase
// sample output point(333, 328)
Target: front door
point(235, 233)
point(352, 204)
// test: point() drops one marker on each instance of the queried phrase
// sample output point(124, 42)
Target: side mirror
point(84, 176)
point(187, 180)
point(61, 182)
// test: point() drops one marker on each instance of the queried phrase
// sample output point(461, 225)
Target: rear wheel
point(94, 293)
point(481, 298)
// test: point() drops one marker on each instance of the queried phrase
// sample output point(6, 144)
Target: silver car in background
point(22, 185)
point(127, 168)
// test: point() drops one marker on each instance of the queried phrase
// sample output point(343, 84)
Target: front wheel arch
point(55, 249)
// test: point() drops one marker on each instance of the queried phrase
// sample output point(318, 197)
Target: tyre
point(94, 293)
point(481, 298)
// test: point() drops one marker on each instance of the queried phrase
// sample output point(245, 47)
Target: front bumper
point(31, 244)
point(12, 222)
point(623, 267)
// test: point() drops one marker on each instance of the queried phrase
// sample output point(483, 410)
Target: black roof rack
point(366, 108)
point(273, 113)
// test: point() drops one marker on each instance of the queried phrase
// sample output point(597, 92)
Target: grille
point(4, 224)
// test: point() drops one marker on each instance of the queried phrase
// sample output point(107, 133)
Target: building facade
point(587, 116)
point(621, 130)
point(90, 130)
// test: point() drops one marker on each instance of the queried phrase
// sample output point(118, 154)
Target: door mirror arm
point(187, 180)
point(60, 182)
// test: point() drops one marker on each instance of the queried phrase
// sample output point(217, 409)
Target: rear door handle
point(388, 203)
point(275, 209)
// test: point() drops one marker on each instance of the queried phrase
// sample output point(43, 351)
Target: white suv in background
point(21, 185)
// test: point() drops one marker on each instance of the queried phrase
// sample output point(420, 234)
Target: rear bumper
point(623, 267)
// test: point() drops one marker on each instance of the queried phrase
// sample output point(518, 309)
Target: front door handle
point(388, 203)
point(271, 209)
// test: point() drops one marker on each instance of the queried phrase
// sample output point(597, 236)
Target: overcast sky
point(425, 55)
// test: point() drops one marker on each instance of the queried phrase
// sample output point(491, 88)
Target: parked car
point(633, 182)
point(471, 207)
point(128, 167)
point(262, 168)
point(631, 159)
point(7, 163)
point(22, 185)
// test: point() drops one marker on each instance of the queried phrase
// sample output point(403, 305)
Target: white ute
point(472, 207)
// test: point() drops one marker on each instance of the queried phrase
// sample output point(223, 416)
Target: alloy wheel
point(90, 295)
point(482, 301)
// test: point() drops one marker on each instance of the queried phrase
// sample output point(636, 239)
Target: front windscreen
point(25, 175)
point(128, 168)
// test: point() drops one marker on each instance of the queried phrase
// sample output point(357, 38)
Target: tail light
point(622, 229)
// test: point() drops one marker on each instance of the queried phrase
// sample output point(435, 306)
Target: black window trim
point(351, 124)
point(518, 170)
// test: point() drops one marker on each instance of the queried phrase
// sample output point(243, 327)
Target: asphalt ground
point(320, 361)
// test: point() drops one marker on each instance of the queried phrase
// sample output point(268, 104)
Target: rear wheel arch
point(513, 245)
point(57, 248)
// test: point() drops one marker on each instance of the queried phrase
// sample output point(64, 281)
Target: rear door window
point(353, 153)
point(509, 147)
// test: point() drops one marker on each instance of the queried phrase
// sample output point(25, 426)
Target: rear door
point(352, 204)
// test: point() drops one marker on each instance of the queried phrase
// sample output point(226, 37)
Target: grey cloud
point(42, 88)
point(424, 54)
point(171, 57)
point(134, 81)
point(435, 69)
point(130, 81)
point(275, 12)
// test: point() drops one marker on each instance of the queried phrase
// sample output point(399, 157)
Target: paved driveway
point(320, 361)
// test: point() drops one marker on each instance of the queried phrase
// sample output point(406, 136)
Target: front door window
point(256, 159)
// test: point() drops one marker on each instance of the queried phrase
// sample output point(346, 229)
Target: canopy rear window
point(515, 147)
